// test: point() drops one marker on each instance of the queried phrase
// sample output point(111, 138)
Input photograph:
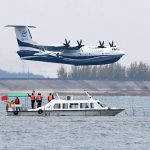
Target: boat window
point(84, 105)
point(57, 106)
point(68, 97)
point(92, 105)
point(73, 105)
point(65, 106)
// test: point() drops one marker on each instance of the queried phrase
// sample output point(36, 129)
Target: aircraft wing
point(58, 48)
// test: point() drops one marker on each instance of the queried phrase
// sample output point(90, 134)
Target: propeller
point(101, 44)
point(80, 43)
point(112, 44)
point(66, 43)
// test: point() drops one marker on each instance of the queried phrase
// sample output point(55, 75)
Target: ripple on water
point(127, 130)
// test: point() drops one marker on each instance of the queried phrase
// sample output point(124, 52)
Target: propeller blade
point(112, 44)
point(66, 43)
point(79, 43)
point(101, 44)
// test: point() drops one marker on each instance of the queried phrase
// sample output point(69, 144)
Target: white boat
point(65, 107)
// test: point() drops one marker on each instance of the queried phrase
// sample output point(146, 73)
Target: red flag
point(4, 98)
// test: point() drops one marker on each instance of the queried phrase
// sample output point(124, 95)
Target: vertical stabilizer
point(23, 34)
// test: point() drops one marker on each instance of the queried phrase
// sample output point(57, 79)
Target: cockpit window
point(102, 105)
point(114, 49)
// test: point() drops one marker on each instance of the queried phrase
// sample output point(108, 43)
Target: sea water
point(129, 130)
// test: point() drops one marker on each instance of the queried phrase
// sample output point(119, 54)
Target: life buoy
point(16, 112)
point(40, 111)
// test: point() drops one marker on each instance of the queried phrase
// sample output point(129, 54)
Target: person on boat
point(11, 103)
point(32, 97)
point(17, 102)
point(50, 97)
point(39, 100)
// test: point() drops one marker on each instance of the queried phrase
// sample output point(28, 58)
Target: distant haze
point(124, 21)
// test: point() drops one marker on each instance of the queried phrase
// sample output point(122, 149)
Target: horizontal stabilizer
point(20, 26)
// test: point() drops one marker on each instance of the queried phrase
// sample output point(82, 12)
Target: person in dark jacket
point(32, 97)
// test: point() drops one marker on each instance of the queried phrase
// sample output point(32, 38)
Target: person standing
point(39, 100)
point(32, 97)
point(50, 97)
point(17, 102)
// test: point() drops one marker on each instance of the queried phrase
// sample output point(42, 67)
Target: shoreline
point(82, 93)
point(76, 87)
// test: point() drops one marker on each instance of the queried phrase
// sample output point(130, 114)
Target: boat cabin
point(61, 104)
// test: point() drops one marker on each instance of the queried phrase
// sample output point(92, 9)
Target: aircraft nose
point(121, 53)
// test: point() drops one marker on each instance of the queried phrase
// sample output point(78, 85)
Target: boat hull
point(106, 112)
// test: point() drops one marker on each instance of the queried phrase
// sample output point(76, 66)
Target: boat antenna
point(88, 94)
point(57, 95)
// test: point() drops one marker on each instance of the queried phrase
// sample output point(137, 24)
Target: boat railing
point(23, 97)
point(88, 94)
point(98, 101)
point(14, 107)
point(57, 95)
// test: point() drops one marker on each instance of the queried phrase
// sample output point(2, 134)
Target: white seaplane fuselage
point(65, 53)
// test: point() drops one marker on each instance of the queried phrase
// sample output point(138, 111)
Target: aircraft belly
point(63, 60)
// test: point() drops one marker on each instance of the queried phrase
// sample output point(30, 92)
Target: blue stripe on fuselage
point(24, 53)
point(48, 48)
point(91, 60)
point(23, 44)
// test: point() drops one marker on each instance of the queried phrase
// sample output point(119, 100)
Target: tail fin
point(23, 34)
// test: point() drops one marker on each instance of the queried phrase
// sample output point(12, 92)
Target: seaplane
point(65, 53)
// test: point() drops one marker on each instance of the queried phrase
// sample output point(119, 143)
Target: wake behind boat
point(60, 107)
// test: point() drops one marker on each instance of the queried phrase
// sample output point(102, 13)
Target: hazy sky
point(127, 22)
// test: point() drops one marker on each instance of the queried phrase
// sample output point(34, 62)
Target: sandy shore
point(76, 87)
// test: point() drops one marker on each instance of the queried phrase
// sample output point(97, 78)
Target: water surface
point(128, 130)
